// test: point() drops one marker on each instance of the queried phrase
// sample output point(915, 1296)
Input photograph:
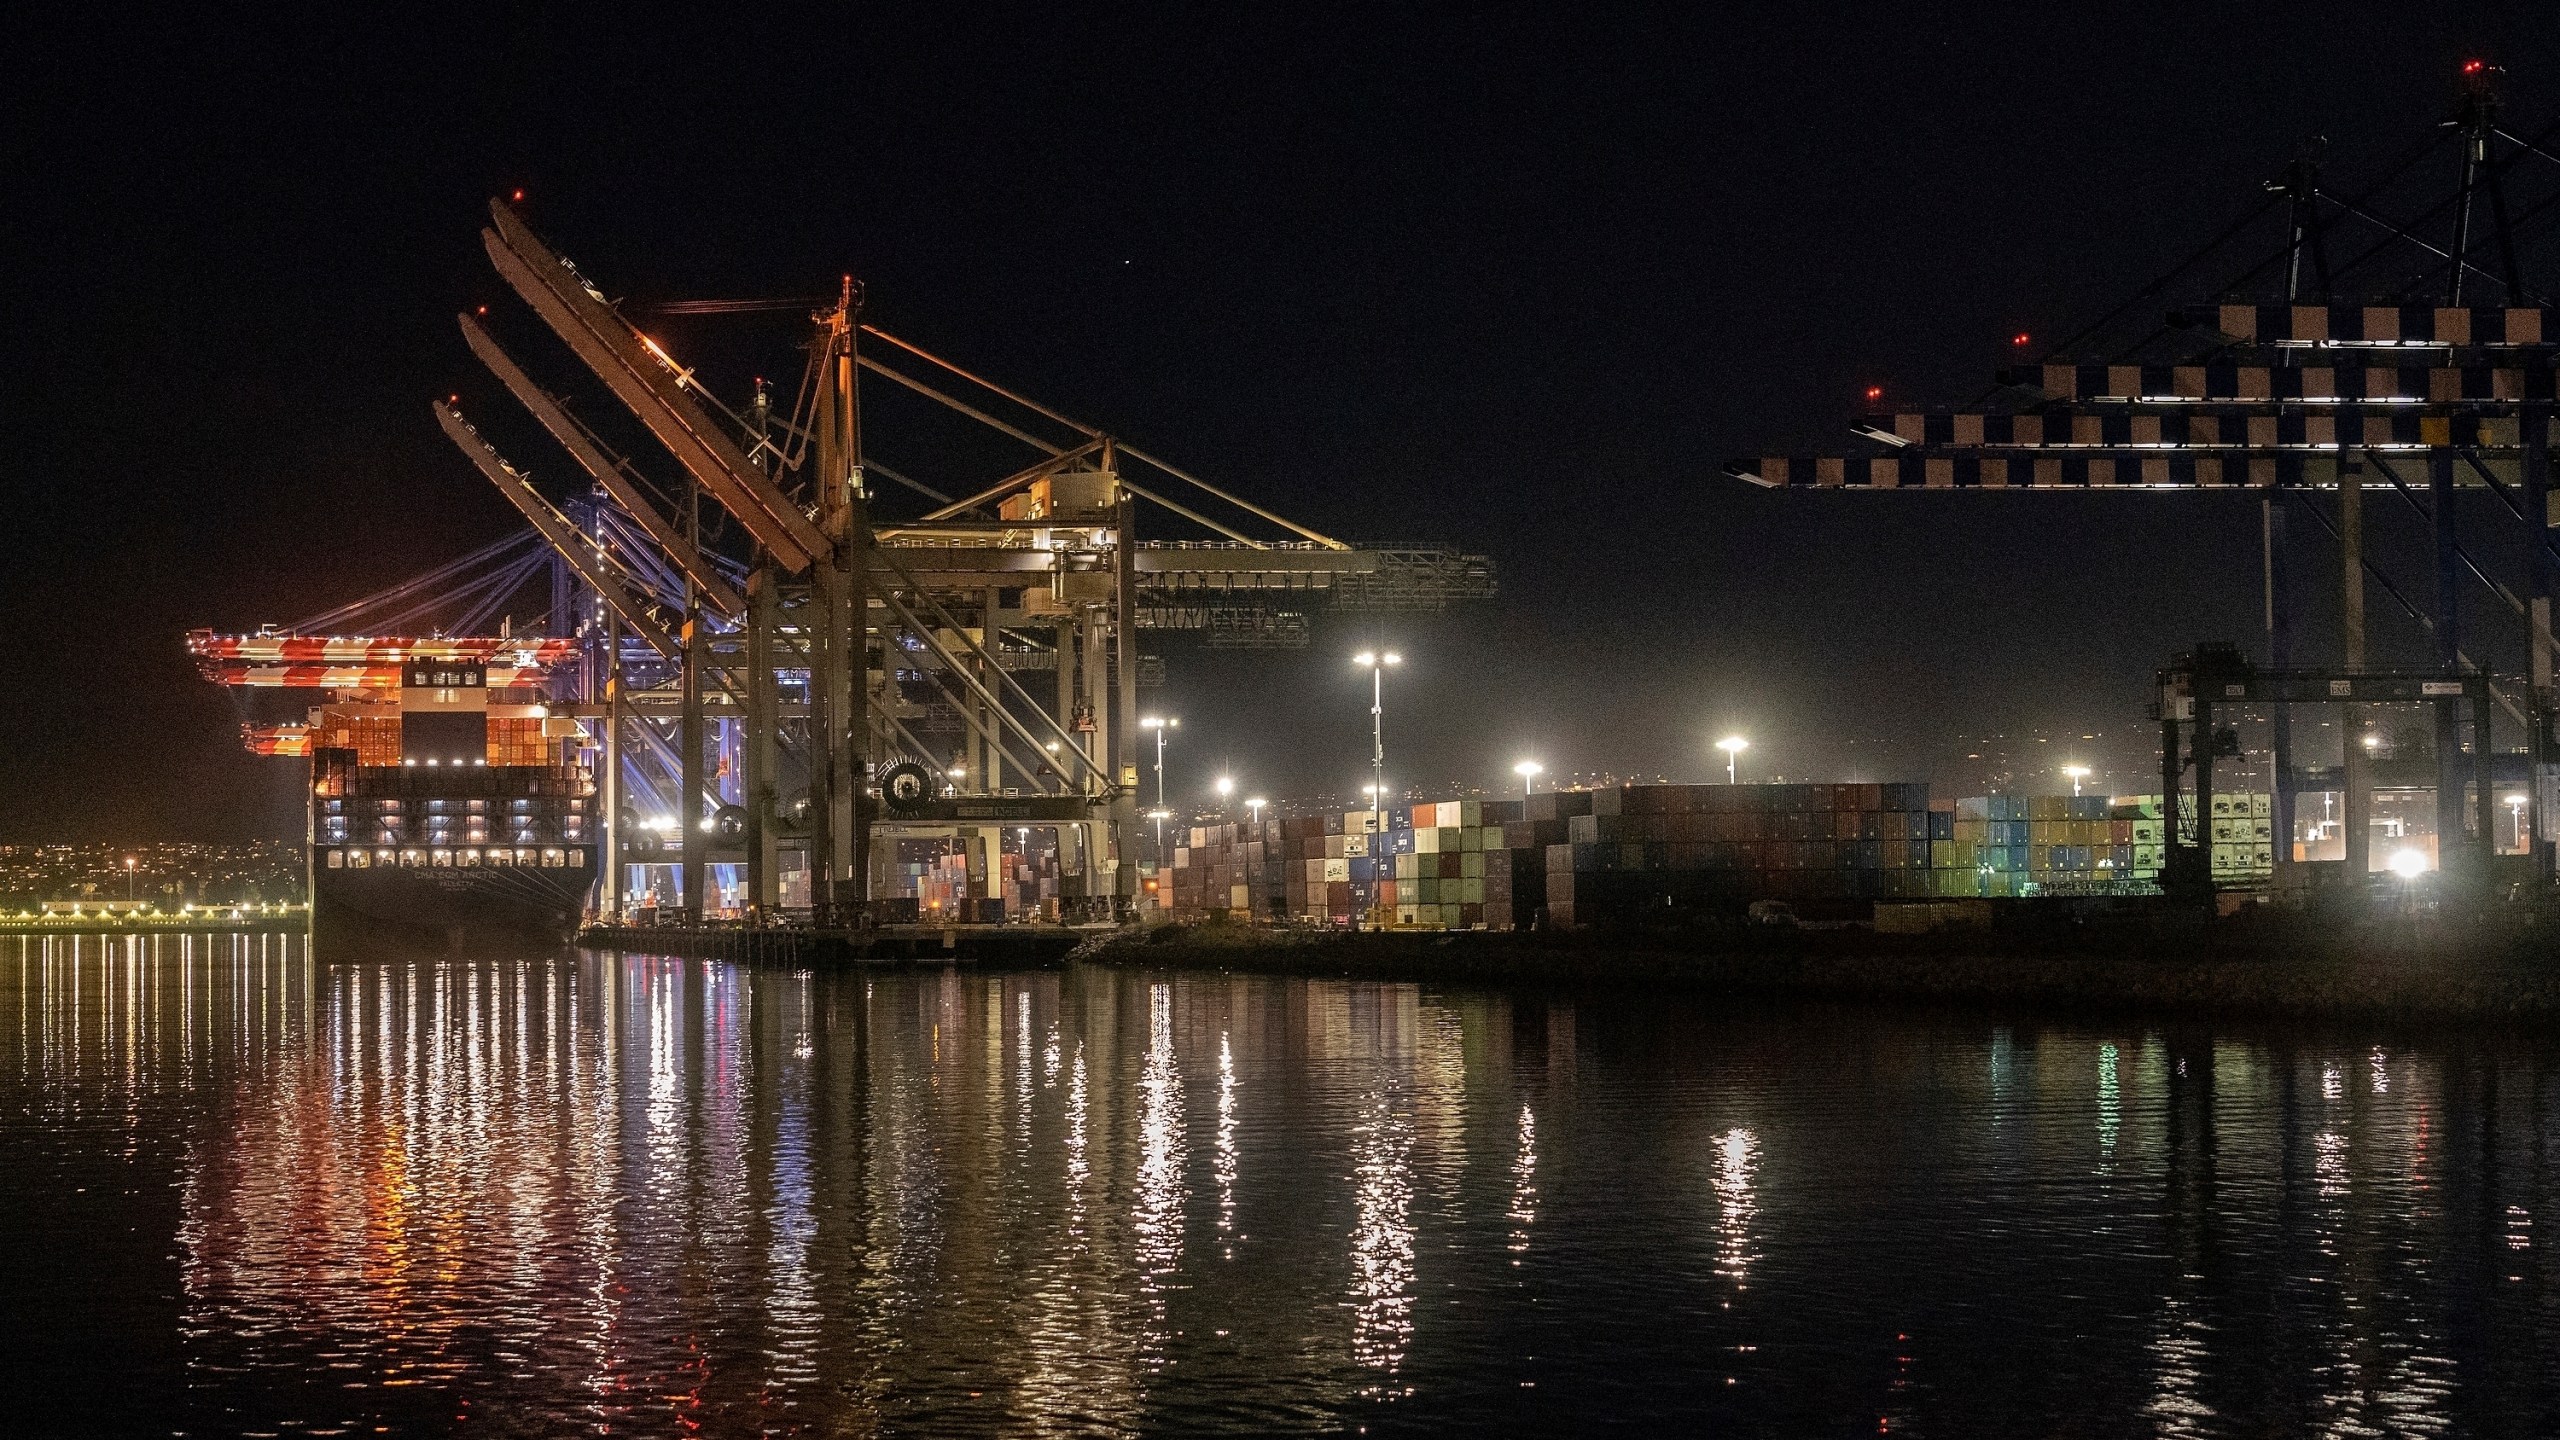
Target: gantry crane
point(830, 650)
point(2419, 362)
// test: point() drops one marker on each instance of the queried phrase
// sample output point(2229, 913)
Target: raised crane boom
point(582, 553)
point(592, 458)
point(615, 353)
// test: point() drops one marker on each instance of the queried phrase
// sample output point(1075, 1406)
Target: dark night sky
point(1516, 280)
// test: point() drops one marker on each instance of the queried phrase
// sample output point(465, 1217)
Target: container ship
point(447, 803)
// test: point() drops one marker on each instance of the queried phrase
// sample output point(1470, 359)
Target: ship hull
point(447, 908)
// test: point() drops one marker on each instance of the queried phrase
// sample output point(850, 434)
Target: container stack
point(2018, 845)
point(1228, 871)
point(517, 741)
point(1447, 861)
point(372, 731)
point(1308, 868)
point(1547, 820)
point(1650, 851)
point(2242, 834)
point(1445, 865)
point(1645, 853)
point(2022, 845)
point(939, 884)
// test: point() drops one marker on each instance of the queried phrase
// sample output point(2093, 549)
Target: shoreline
point(2496, 979)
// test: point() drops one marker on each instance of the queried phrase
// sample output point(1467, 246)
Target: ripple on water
point(255, 1193)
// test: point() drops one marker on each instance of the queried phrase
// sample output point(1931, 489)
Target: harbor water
point(244, 1191)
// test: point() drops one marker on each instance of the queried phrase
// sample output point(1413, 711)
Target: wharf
point(999, 945)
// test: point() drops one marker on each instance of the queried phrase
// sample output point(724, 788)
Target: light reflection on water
point(249, 1192)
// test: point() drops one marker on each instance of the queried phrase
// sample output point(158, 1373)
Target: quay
point(1012, 946)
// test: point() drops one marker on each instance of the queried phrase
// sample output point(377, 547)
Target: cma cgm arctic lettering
point(447, 802)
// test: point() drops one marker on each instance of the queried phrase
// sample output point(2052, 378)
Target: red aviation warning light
point(1875, 392)
point(2020, 339)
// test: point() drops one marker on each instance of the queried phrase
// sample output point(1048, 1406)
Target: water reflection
point(1524, 1184)
point(1157, 1216)
point(2110, 1107)
point(1225, 1169)
point(1382, 1231)
point(615, 1194)
point(1737, 1160)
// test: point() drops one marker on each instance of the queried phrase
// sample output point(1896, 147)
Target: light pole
point(1733, 746)
point(1528, 771)
point(128, 879)
point(2515, 807)
point(1253, 808)
point(1226, 790)
point(1160, 724)
point(2077, 773)
point(1377, 664)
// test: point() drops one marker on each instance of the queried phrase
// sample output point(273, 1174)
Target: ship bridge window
point(500, 855)
point(413, 858)
point(337, 859)
point(440, 856)
point(554, 858)
point(467, 859)
point(357, 860)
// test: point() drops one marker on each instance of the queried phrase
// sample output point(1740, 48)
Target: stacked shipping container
point(2095, 844)
point(1441, 865)
point(1638, 853)
point(1649, 851)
